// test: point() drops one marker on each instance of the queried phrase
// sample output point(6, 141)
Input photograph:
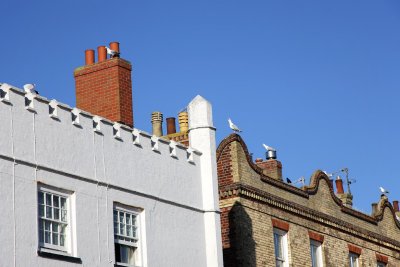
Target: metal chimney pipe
point(270, 154)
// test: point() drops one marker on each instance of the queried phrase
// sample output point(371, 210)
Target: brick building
point(267, 222)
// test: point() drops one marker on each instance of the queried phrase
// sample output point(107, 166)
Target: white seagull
point(268, 148)
point(30, 88)
point(383, 190)
point(111, 52)
point(233, 126)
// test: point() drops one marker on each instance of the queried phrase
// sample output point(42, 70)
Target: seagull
point(30, 88)
point(233, 126)
point(383, 190)
point(268, 148)
point(288, 180)
point(112, 53)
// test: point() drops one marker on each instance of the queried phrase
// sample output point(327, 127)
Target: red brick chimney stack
point(271, 168)
point(105, 88)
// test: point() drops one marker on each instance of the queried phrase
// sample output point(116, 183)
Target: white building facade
point(80, 190)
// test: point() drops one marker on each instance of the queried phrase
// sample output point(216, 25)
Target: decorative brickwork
point(105, 89)
point(253, 203)
point(181, 137)
point(382, 258)
point(315, 236)
point(354, 249)
point(280, 224)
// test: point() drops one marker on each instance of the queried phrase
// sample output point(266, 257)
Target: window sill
point(57, 255)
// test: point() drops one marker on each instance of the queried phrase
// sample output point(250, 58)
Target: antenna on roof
point(346, 172)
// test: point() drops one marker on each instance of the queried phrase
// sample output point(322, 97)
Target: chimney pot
point(270, 154)
point(156, 120)
point(259, 160)
point(89, 56)
point(171, 127)
point(339, 185)
point(101, 53)
point(396, 206)
point(114, 46)
point(183, 119)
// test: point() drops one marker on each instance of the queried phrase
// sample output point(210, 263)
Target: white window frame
point(353, 259)
point(128, 240)
point(316, 258)
point(42, 218)
point(282, 240)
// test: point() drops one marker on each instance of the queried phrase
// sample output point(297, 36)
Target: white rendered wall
point(100, 170)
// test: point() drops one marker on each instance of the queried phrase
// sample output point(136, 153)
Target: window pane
point(57, 214)
point(128, 219)
point(121, 229)
point(115, 216)
point(63, 215)
point(126, 254)
point(56, 201)
point(41, 210)
point(55, 239)
point(48, 199)
point(63, 203)
point(49, 212)
point(41, 198)
point(129, 230)
point(278, 247)
point(47, 237)
point(41, 236)
point(121, 217)
point(55, 228)
point(62, 240)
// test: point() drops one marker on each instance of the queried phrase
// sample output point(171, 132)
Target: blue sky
point(318, 80)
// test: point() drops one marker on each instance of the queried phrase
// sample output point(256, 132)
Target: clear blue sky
point(318, 80)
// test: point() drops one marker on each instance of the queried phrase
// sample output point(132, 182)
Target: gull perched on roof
point(233, 126)
point(30, 88)
point(268, 148)
point(383, 190)
point(111, 52)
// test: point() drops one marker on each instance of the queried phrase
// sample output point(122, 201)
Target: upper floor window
point(127, 236)
point(280, 243)
point(381, 264)
point(316, 253)
point(54, 219)
point(353, 259)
